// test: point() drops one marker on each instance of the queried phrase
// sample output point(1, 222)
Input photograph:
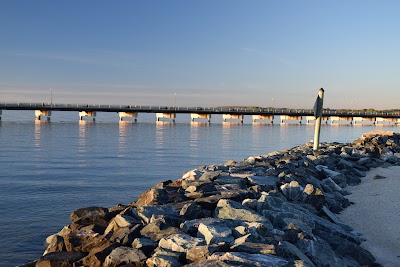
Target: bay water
point(49, 169)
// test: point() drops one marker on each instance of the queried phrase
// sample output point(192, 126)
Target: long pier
point(43, 110)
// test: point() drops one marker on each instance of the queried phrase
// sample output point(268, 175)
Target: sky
point(201, 53)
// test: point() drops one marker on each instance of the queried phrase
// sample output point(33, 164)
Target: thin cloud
point(253, 51)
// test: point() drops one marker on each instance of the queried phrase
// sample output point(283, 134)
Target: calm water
point(51, 169)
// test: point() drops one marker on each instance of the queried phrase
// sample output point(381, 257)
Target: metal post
point(51, 97)
point(318, 116)
point(175, 100)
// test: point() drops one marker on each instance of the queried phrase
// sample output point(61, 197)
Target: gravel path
point(376, 214)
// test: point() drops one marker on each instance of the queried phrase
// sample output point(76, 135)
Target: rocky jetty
point(269, 210)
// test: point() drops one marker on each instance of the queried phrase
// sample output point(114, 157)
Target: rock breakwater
point(269, 210)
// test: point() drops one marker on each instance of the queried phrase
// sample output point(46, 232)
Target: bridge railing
point(326, 112)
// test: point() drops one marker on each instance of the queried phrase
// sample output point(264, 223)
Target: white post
point(318, 117)
point(51, 97)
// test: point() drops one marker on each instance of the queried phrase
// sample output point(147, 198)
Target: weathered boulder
point(215, 233)
point(264, 183)
point(314, 196)
point(192, 175)
point(121, 221)
point(125, 255)
point(244, 244)
point(146, 212)
point(146, 245)
point(292, 191)
point(247, 259)
point(191, 227)
point(180, 242)
point(64, 259)
point(305, 261)
point(126, 235)
point(319, 252)
point(89, 215)
point(97, 255)
point(192, 211)
point(224, 180)
point(156, 234)
point(232, 210)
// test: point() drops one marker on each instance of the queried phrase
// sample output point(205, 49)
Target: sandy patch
point(376, 213)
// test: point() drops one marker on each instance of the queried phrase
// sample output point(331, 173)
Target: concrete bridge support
point(1, 112)
point(194, 116)
point(361, 119)
point(268, 118)
point(291, 118)
point(389, 121)
point(42, 113)
point(232, 117)
point(123, 115)
point(337, 120)
point(311, 119)
point(166, 116)
point(83, 114)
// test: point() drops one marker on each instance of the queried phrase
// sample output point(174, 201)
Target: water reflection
point(161, 128)
point(37, 133)
point(124, 127)
point(82, 145)
point(196, 129)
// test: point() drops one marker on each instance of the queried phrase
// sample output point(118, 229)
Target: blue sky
point(209, 53)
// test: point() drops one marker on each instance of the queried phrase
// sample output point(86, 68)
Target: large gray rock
point(215, 233)
point(144, 244)
point(64, 258)
point(222, 180)
point(211, 263)
point(244, 244)
point(121, 221)
point(338, 177)
point(191, 211)
point(232, 210)
point(292, 191)
point(319, 252)
point(163, 261)
point(190, 227)
point(146, 212)
point(200, 253)
point(180, 242)
point(126, 235)
point(266, 183)
point(89, 215)
point(125, 255)
point(314, 196)
point(247, 259)
point(156, 234)
point(297, 252)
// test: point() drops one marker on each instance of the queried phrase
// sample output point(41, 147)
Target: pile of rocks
point(270, 210)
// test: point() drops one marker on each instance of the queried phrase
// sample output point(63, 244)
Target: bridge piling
point(160, 116)
point(83, 114)
point(123, 115)
point(194, 116)
point(42, 113)
point(268, 118)
point(290, 118)
point(226, 117)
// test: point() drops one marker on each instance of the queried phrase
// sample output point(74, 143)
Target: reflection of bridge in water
point(204, 113)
